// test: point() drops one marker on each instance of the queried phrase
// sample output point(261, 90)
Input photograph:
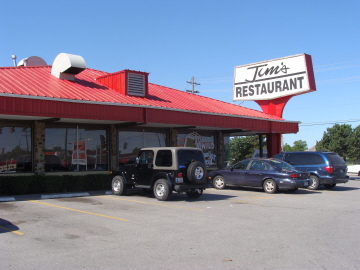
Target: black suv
point(326, 168)
point(163, 170)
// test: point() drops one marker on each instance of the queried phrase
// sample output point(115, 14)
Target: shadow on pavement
point(6, 226)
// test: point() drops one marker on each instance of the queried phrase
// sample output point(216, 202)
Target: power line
point(329, 122)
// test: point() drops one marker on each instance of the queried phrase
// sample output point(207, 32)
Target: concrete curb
point(53, 196)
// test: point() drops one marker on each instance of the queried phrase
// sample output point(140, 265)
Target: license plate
point(179, 180)
point(306, 183)
point(341, 171)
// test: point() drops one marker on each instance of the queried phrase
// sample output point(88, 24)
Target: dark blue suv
point(326, 168)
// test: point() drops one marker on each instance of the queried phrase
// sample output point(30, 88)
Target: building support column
point(113, 147)
point(220, 150)
point(39, 144)
point(273, 142)
point(173, 137)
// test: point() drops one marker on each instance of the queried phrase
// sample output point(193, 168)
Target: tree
point(336, 139)
point(287, 148)
point(243, 147)
point(354, 144)
point(299, 145)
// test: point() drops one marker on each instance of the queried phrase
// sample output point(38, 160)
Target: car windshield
point(281, 165)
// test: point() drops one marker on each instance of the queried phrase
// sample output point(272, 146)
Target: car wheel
point(219, 182)
point(196, 172)
point(329, 186)
point(270, 186)
point(315, 182)
point(162, 190)
point(194, 194)
point(118, 185)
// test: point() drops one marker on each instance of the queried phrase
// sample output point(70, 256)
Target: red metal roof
point(37, 82)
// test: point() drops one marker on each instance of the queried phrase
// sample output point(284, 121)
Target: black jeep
point(163, 170)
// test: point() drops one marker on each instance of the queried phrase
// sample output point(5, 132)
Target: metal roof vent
point(127, 82)
point(32, 61)
point(136, 84)
point(66, 66)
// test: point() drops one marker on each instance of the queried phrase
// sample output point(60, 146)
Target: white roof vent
point(32, 61)
point(66, 66)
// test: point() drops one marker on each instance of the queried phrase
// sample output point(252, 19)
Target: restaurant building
point(69, 118)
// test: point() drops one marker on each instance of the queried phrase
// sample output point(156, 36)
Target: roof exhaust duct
point(32, 61)
point(66, 66)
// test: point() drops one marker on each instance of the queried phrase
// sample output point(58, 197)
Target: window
point(15, 147)
point(257, 165)
point(146, 157)
point(203, 140)
point(164, 158)
point(242, 165)
point(75, 148)
point(304, 159)
point(131, 141)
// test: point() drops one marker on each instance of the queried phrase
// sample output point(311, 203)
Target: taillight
point(329, 169)
point(180, 175)
point(294, 175)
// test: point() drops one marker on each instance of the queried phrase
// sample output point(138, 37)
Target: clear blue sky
point(175, 40)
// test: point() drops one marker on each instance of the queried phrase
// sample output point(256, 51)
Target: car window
point(304, 159)
point(242, 165)
point(281, 165)
point(164, 158)
point(334, 158)
point(146, 157)
point(279, 156)
point(257, 165)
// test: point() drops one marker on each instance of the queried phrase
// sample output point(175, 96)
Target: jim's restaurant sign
point(292, 75)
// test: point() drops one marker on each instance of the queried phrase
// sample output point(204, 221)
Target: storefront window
point(202, 140)
point(131, 141)
point(15, 147)
point(76, 148)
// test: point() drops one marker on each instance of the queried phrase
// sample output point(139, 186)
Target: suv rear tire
point(196, 172)
point(162, 190)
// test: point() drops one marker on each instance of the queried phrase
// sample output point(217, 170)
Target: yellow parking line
point(79, 210)
point(6, 229)
point(259, 197)
point(153, 203)
point(243, 201)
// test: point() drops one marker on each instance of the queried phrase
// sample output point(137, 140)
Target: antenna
point(193, 83)
point(13, 57)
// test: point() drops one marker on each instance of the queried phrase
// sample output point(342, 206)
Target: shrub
point(33, 184)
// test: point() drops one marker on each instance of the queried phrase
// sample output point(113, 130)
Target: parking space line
point(81, 211)
point(153, 203)
point(243, 201)
point(9, 230)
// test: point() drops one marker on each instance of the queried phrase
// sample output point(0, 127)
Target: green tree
point(287, 147)
point(336, 139)
point(299, 145)
point(354, 145)
point(243, 147)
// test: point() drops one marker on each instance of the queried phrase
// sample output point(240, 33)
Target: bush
point(33, 184)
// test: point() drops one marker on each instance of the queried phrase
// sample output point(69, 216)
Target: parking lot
point(224, 229)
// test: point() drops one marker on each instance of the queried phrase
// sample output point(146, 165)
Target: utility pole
point(193, 83)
